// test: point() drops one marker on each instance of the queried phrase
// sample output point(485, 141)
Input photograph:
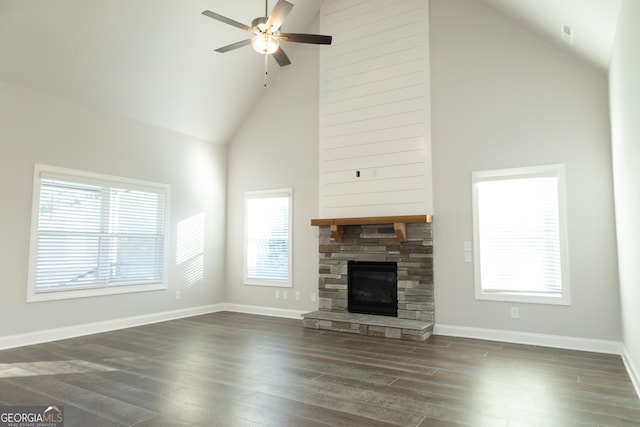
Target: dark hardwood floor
point(229, 369)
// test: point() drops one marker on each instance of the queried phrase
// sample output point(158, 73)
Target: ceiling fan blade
point(233, 46)
point(278, 15)
point(227, 21)
point(305, 38)
point(281, 58)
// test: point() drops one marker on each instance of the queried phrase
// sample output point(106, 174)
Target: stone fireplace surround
point(413, 254)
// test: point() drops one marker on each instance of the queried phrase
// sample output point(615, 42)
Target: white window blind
point(95, 232)
point(519, 235)
point(268, 238)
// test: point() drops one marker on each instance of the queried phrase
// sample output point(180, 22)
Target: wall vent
point(567, 33)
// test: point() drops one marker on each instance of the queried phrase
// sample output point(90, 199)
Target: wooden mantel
point(399, 223)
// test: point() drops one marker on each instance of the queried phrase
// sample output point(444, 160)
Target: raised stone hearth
point(368, 324)
point(414, 259)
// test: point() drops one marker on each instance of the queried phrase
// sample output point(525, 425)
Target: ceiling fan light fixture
point(265, 44)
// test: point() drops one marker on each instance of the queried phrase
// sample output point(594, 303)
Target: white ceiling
point(151, 60)
point(154, 60)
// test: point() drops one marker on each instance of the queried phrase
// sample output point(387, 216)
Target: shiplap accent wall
point(374, 109)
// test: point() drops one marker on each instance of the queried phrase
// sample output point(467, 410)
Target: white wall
point(504, 97)
point(625, 110)
point(37, 128)
point(277, 147)
point(375, 145)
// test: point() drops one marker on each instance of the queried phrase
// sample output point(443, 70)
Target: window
point(268, 238)
point(520, 245)
point(95, 235)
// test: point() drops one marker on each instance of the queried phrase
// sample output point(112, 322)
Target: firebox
point(373, 288)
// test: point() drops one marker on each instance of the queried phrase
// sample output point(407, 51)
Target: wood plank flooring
point(230, 369)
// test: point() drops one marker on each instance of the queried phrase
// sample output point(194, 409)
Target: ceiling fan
point(266, 33)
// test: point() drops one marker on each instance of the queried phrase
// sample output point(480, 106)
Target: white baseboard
point(265, 311)
point(632, 369)
point(543, 340)
point(47, 335)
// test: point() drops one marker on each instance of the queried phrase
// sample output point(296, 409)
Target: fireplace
point(408, 249)
point(373, 288)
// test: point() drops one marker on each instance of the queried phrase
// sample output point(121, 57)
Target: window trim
point(287, 192)
point(101, 179)
point(555, 170)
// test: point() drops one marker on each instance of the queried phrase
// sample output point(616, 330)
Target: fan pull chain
point(266, 61)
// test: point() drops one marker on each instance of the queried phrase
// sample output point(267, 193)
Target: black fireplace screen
point(373, 288)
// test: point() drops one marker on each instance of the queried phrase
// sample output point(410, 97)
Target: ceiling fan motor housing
point(260, 23)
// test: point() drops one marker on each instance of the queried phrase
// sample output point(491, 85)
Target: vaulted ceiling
point(154, 60)
point(593, 23)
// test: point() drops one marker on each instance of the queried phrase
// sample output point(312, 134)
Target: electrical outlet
point(515, 313)
point(297, 296)
point(277, 293)
point(284, 295)
point(313, 296)
point(178, 296)
point(467, 251)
